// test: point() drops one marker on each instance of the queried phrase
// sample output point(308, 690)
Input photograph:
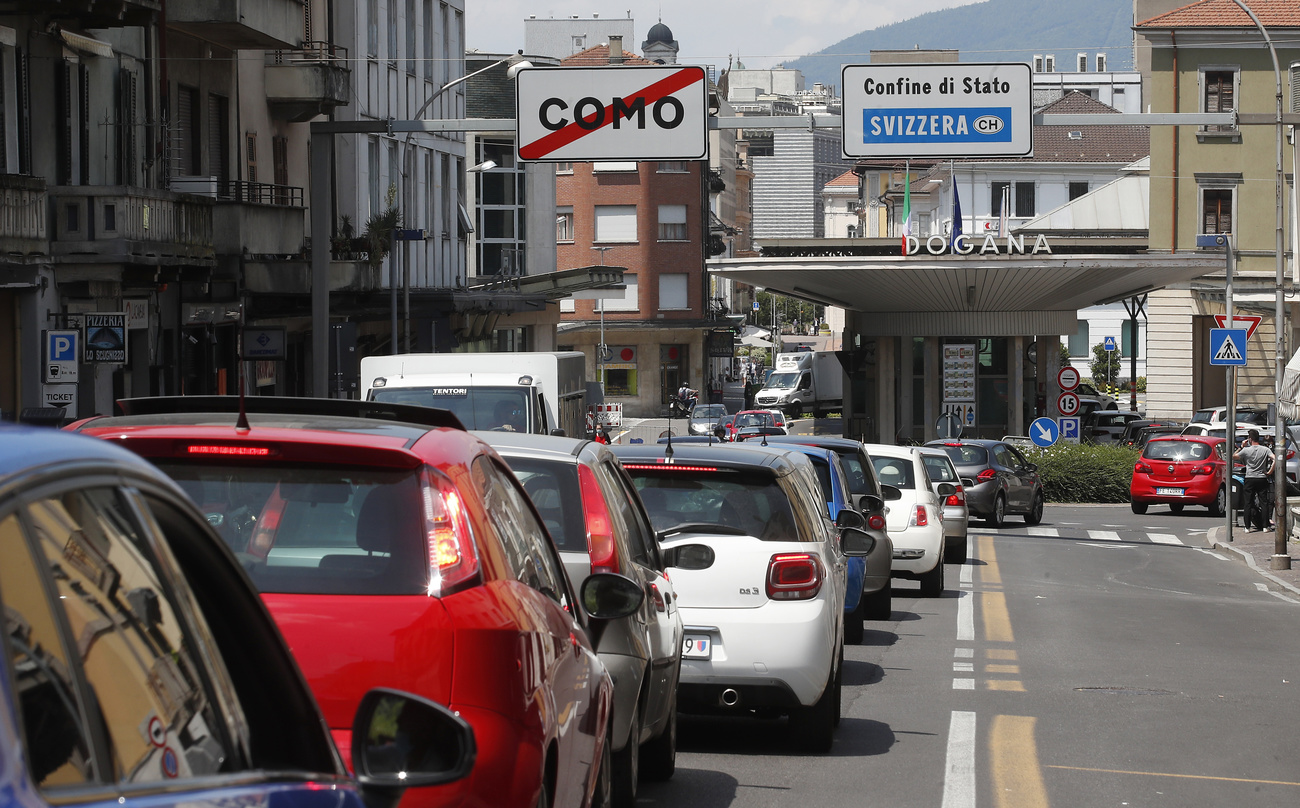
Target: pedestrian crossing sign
point(1228, 346)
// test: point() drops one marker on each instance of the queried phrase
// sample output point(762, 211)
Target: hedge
point(1084, 472)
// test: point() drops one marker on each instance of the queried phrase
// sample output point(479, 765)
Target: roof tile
point(1227, 14)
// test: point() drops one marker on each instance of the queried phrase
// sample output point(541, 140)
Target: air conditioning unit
point(199, 186)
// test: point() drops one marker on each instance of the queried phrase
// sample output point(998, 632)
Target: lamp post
point(1281, 558)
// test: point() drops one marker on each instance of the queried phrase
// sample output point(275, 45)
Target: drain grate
point(1125, 691)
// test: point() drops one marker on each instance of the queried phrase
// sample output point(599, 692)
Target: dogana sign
point(581, 114)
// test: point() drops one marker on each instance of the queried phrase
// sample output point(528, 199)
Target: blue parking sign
point(1069, 428)
point(61, 346)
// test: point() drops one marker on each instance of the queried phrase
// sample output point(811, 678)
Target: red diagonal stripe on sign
point(563, 137)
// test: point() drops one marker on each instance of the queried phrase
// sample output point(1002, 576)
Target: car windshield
point(315, 529)
point(895, 471)
point(708, 412)
point(1202, 416)
point(503, 409)
point(940, 469)
point(1176, 450)
point(748, 500)
point(783, 380)
point(553, 488)
point(753, 419)
point(966, 454)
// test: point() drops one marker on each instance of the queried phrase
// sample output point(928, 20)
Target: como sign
point(954, 109)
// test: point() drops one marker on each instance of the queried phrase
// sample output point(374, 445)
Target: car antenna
point(241, 423)
point(764, 439)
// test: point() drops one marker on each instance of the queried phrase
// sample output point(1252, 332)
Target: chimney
point(616, 50)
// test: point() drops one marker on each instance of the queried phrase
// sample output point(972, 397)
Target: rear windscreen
point(503, 409)
point(895, 471)
point(553, 488)
point(1176, 450)
point(315, 529)
point(967, 455)
point(940, 470)
point(746, 500)
point(859, 477)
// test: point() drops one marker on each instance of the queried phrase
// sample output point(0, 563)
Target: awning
point(945, 295)
point(560, 284)
point(86, 44)
point(756, 342)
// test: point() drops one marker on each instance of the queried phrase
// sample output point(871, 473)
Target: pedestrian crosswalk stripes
point(1065, 531)
point(1043, 531)
point(1103, 535)
point(1164, 538)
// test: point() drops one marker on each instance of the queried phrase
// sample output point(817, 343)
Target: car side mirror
point(848, 518)
point(608, 596)
point(856, 542)
point(689, 557)
point(1031, 467)
point(890, 493)
point(402, 741)
point(946, 489)
point(559, 433)
point(869, 503)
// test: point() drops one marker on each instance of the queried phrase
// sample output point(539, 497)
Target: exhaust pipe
point(730, 698)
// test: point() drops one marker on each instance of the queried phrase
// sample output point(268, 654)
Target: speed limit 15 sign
point(616, 112)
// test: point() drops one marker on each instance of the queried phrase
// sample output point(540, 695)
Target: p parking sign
point(62, 353)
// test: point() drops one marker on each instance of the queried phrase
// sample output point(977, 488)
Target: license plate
point(697, 646)
point(1170, 492)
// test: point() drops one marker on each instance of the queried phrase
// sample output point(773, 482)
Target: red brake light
point(1290, 453)
point(876, 522)
point(958, 445)
point(958, 498)
point(794, 576)
point(660, 606)
point(1142, 468)
point(667, 467)
point(228, 451)
point(920, 518)
point(600, 527)
point(986, 475)
point(453, 560)
point(1207, 468)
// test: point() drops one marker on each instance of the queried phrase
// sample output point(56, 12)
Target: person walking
point(1259, 470)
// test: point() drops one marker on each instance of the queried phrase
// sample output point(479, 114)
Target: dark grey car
point(997, 478)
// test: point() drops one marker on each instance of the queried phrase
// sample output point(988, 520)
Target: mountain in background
point(993, 31)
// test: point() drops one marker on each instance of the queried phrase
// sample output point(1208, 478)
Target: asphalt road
point(1099, 659)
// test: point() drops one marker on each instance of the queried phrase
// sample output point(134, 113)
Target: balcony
point(89, 13)
point(22, 216)
point(259, 219)
point(239, 24)
point(122, 224)
point(310, 81)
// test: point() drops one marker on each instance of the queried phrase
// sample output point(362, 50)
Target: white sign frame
point(61, 395)
point(58, 368)
point(1070, 426)
point(648, 112)
point(940, 110)
point(1063, 375)
point(1073, 410)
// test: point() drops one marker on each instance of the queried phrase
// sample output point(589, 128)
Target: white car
point(760, 573)
point(915, 516)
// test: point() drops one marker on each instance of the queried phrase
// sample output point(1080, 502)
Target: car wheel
point(1139, 507)
point(998, 515)
point(543, 799)
point(813, 727)
point(932, 581)
point(794, 411)
point(1220, 504)
point(1035, 514)
point(659, 755)
point(957, 555)
point(626, 764)
point(601, 799)
point(880, 604)
point(1175, 507)
point(853, 623)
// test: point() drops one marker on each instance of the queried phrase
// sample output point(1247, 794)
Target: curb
point(1212, 538)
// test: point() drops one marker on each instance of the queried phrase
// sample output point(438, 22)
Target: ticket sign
point(954, 109)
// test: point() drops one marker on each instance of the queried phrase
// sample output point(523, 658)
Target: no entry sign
point(580, 114)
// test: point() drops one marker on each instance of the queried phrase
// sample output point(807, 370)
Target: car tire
point(543, 799)
point(1035, 514)
point(1220, 504)
point(627, 764)
point(932, 581)
point(853, 629)
point(659, 755)
point(957, 555)
point(813, 728)
point(998, 516)
point(1175, 507)
point(880, 604)
point(1139, 507)
point(794, 411)
point(601, 799)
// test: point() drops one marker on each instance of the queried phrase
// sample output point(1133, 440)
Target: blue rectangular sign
point(935, 125)
point(62, 346)
point(1228, 346)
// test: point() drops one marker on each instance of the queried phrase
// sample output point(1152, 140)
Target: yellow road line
point(1007, 685)
point(1017, 777)
point(1002, 669)
point(997, 622)
point(989, 573)
point(1001, 653)
point(1179, 776)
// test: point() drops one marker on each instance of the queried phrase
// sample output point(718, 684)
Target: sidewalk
point(1256, 549)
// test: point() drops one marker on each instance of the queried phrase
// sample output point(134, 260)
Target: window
point(1219, 95)
point(1049, 63)
point(612, 166)
point(673, 291)
point(218, 137)
point(1101, 63)
point(616, 223)
point(1038, 63)
point(564, 168)
point(1083, 63)
point(579, 44)
point(672, 167)
point(672, 223)
point(410, 36)
point(250, 143)
point(190, 135)
point(1127, 343)
point(1078, 189)
point(1079, 340)
point(392, 31)
point(564, 224)
point(628, 302)
point(1000, 192)
point(1216, 210)
point(1024, 199)
point(428, 40)
point(372, 155)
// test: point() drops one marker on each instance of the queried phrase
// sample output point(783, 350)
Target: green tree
point(1104, 366)
point(1065, 354)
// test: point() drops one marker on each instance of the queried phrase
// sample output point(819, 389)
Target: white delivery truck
point(515, 392)
point(803, 381)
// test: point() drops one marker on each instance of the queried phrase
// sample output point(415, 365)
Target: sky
point(762, 32)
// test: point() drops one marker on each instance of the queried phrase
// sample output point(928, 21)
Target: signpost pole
point(1231, 425)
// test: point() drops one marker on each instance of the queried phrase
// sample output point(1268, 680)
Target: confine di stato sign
point(954, 109)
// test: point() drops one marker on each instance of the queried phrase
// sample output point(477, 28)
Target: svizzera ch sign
point(581, 114)
point(953, 109)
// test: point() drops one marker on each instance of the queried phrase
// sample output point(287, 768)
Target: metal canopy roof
point(1006, 295)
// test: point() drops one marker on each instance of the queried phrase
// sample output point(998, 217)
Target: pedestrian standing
point(1259, 470)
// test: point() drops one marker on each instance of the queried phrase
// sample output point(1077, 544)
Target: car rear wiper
point(702, 527)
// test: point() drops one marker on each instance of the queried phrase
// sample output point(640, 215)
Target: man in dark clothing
point(1259, 470)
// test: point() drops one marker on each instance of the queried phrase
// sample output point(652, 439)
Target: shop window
point(620, 382)
point(673, 370)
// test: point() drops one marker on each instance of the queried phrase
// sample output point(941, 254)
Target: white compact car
point(760, 575)
point(915, 517)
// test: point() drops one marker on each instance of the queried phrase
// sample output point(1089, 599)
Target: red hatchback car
point(394, 549)
point(1181, 470)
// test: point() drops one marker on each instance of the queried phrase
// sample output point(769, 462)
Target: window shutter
point(250, 143)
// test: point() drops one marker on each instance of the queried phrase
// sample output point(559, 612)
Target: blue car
point(138, 663)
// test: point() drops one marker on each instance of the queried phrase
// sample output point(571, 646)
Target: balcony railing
point(305, 82)
point(314, 52)
point(22, 214)
point(137, 225)
point(260, 193)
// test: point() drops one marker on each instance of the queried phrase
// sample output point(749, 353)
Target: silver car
point(956, 516)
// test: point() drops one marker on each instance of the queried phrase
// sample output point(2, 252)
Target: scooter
point(682, 409)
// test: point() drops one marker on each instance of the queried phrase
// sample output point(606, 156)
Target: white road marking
point(963, 684)
point(964, 653)
point(959, 772)
point(1261, 587)
point(1212, 553)
point(1103, 535)
point(965, 618)
point(963, 667)
point(1280, 596)
point(1164, 538)
point(1044, 531)
point(967, 573)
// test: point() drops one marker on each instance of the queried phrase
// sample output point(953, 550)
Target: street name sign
point(953, 109)
point(1249, 321)
point(583, 114)
point(1228, 346)
point(1044, 432)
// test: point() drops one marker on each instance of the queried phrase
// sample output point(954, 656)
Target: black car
point(1132, 430)
point(997, 478)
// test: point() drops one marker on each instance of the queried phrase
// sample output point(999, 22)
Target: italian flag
point(907, 204)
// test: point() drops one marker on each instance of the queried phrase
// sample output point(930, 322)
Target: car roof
point(886, 450)
point(532, 444)
point(25, 448)
point(752, 455)
point(1211, 439)
point(985, 442)
point(827, 441)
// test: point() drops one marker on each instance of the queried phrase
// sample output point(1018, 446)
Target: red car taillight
point(794, 576)
point(1207, 468)
point(600, 527)
point(1141, 468)
point(453, 561)
point(957, 498)
point(876, 522)
point(986, 475)
point(920, 518)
